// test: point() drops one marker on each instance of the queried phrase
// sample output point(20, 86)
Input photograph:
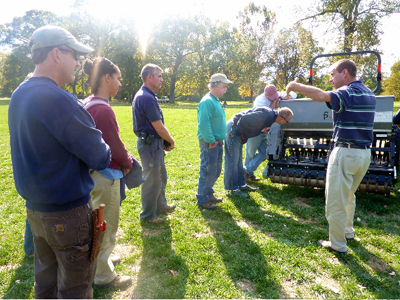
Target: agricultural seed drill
point(299, 151)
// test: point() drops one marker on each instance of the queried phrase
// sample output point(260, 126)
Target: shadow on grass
point(378, 213)
point(243, 258)
point(22, 281)
point(163, 273)
point(376, 277)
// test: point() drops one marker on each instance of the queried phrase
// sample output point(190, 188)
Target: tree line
point(190, 50)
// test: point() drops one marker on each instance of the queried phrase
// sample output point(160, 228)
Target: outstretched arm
point(309, 91)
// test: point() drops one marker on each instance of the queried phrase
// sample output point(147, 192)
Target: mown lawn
point(262, 247)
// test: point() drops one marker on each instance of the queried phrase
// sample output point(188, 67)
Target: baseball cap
point(271, 93)
point(219, 77)
point(51, 36)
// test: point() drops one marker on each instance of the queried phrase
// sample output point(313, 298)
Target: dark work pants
point(155, 176)
point(63, 242)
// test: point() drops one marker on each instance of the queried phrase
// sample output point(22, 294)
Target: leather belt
point(353, 146)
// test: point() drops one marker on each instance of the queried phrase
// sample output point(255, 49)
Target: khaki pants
point(106, 191)
point(346, 169)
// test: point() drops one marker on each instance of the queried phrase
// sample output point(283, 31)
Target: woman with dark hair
point(104, 80)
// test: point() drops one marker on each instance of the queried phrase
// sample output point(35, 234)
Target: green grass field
point(261, 247)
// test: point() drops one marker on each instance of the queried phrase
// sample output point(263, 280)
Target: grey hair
point(149, 69)
point(215, 83)
point(285, 112)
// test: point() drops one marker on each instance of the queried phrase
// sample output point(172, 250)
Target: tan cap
point(220, 77)
point(51, 36)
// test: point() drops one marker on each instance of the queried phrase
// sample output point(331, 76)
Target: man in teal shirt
point(211, 131)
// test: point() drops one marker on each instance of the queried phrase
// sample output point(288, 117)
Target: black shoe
point(353, 239)
point(239, 193)
point(248, 188)
point(208, 205)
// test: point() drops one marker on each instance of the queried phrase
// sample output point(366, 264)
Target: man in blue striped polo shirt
point(353, 106)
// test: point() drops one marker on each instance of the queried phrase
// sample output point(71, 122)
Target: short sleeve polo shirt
point(145, 110)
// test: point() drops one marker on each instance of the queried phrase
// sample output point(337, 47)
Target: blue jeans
point(210, 169)
point(155, 176)
point(233, 176)
point(28, 239)
point(253, 160)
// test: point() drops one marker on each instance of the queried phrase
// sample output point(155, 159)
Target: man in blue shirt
point(353, 106)
point(54, 143)
point(153, 139)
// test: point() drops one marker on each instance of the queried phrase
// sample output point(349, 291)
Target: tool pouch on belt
point(98, 235)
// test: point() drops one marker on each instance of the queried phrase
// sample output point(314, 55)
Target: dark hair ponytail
point(96, 69)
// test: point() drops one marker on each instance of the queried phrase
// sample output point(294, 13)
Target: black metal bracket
point(378, 76)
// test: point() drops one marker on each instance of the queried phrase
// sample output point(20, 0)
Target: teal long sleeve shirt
point(211, 120)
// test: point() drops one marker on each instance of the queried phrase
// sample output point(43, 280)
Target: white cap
point(219, 77)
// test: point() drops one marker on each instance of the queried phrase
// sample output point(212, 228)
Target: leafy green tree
point(354, 24)
point(94, 33)
point(255, 32)
point(15, 36)
point(3, 57)
point(220, 56)
point(291, 56)
point(173, 41)
point(127, 56)
point(391, 85)
point(356, 21)
point(116, 41)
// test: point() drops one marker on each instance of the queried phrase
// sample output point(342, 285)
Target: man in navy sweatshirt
point(242, 126)
point(54, 143)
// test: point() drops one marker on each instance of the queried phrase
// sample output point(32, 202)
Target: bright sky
point(147, 12)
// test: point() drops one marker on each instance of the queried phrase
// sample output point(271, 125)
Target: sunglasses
point(284, 119)
point(74, 53)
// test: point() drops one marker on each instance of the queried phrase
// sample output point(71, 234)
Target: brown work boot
point(215, 200)
point(118, 282)
point(246, 176)
point(208, 205)
point(169, 207)
point(156, 220)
